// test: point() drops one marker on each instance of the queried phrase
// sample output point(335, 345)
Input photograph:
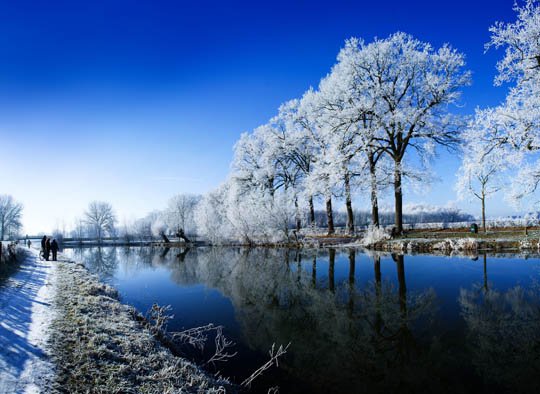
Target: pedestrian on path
point(54, 249)
point(43, 241)
point(47, 249)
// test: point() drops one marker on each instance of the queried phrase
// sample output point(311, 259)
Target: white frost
point(25, 315)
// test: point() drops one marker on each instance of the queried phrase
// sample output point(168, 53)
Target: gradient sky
point(132, 101)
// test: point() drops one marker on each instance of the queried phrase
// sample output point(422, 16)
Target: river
point(356, 321)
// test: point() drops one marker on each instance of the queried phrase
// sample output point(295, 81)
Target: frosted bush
point(456, 244)
point(373, 235)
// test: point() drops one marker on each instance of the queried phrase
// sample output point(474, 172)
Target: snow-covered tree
point(211, 216)
point(521, 40)
point(10, 216)
point(519, 116)
point(294, 155)
point(101, 218)
point(338, 134)
point(298, 146)
point(180, 211)
point(254, 161)
point(324, 177)
point(482, 166)
point(412, 85)
point(349, 109)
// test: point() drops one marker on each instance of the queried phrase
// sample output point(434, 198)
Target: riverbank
point(98, 345)
point(61, 330)
point(451, 241)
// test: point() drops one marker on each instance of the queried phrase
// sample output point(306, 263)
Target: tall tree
point(101, 218)
point(10, 216)
point(323, 179)
point(295, 154)
point(412, 86)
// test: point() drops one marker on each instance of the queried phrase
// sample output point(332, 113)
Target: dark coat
point(43, 241)
point(54, 245)
point(47, 245)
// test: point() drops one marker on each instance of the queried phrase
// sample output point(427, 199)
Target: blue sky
point(133, 101)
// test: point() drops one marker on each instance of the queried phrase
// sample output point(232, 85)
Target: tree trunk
point(485, 274)
point(314, 272)
point(352, 263)
point(331, 265)
point(348, 204)
point(374, 200)
point(483, 199)
point(399, 259)
point(378, 292)
point(165, 238)
point(398, 196)
point(180, 234)
point(311, 212)
point(330, 216)
point(270, 186)
point(297, 215)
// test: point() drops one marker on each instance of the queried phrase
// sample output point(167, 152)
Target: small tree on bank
point(479, 174)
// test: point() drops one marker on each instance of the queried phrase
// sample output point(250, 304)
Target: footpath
point(25, 316)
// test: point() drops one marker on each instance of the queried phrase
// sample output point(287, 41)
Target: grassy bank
point(98, 347)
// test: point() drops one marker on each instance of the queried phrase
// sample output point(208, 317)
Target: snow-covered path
point(25, 314)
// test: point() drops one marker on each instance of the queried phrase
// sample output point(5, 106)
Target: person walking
point(43, 241)
point(54, 249)
point(47, 249)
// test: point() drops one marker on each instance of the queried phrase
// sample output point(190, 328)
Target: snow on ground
point(25, 315)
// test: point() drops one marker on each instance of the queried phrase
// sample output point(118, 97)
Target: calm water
point(357, 322)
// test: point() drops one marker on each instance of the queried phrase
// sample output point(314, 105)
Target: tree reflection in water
point(336, 345)
point(503, 330)
point(349, 335)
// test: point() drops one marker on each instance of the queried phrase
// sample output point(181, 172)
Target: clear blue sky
point(133, 101)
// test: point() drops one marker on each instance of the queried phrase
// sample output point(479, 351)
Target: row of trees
point(374, 121)
point(355, 134)
point(99, 221)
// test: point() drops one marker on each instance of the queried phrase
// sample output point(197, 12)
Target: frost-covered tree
point(349, 109)
point(324, 179)
point(519, 116)
point(521, 41)
point(293, 155)
point(211, 216)
point(412, 85)
point(482, 166)
point(254, 161)
point(180, 211)
point(10, 216)
point(338, 136)
point(101, 218)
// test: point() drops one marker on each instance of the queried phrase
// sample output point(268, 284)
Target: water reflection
point(352, 329)
point(503, 334)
